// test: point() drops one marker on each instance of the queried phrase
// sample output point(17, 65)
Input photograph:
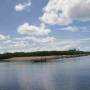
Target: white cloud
point(3, 37)
point(38, 40)
point(67, 44)
point(26, 43)
point(76, 29)
point(29, 44)
point(21, 7)
point(71, 29)
point(64, 12)
point(27, 29)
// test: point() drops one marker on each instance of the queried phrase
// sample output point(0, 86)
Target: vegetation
point(42, 53)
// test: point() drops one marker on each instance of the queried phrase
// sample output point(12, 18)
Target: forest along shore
point(41, 58)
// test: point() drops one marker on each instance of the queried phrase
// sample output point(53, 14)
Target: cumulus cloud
point(64, 12)
point(22, 6)
point(27, 29)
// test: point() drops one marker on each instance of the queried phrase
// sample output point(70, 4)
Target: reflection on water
point(68, 74)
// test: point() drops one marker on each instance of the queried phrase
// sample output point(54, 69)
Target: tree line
point(42, 53)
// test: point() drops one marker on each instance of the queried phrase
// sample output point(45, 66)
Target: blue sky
point(31, 25)
point(10, 19)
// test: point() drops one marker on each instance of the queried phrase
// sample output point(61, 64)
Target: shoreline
point(40, 58)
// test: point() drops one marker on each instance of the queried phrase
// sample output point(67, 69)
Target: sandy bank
point(41, 58)
point(34, 58)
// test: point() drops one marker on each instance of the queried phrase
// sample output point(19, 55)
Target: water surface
point(68, 74)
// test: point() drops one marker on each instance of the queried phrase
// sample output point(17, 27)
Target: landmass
point(41, 56)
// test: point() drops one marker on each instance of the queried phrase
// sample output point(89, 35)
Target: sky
point(41, 25)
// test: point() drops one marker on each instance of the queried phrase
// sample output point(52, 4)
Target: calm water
point(68, 74)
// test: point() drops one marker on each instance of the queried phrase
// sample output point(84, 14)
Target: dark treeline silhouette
point(42, 53)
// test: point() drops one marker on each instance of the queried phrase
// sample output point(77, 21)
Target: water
point(68, 74)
